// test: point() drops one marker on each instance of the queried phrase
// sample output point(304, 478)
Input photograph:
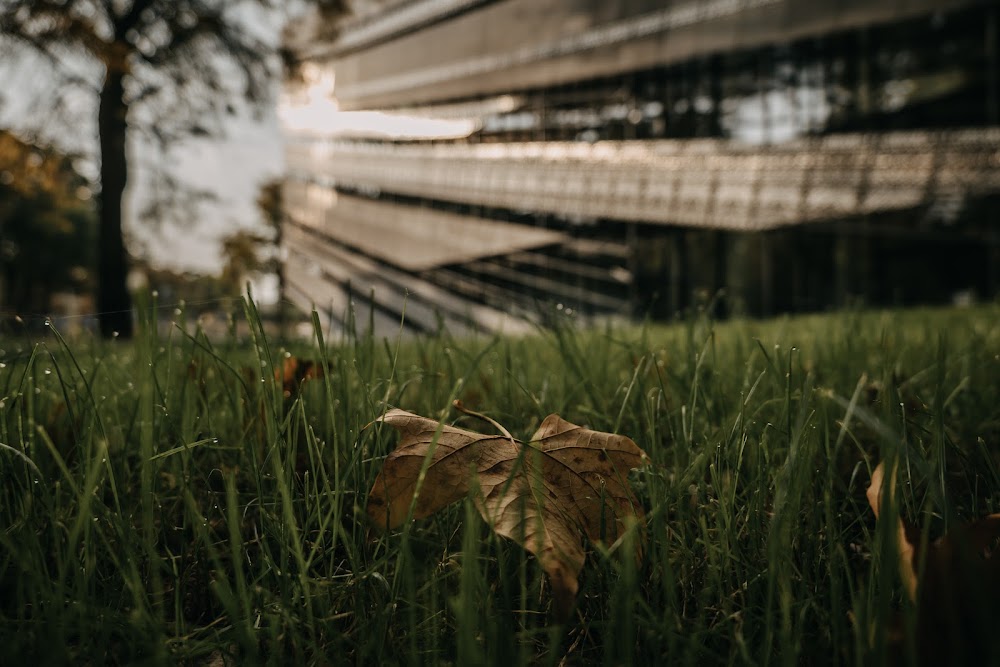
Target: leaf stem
point(457, 404)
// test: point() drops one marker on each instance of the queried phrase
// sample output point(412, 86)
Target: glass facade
point(824, 158)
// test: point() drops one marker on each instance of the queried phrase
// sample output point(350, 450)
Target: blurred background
point(489, 164)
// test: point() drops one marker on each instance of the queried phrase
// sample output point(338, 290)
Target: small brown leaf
point(294, 372)
point(907, 570)
point(546, 495)
point(955, 584)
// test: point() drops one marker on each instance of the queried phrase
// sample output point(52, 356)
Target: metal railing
point(703, 183)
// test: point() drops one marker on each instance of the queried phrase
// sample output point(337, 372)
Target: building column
point(634, 267)
point(678, 271)
point(992, 66)
point(766, 275)
point(841, 268)
point(720, 251)
point(992, 38)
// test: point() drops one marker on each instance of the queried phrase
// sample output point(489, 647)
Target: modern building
point(642, 157)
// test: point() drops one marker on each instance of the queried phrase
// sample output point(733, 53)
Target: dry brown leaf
point(906, 554)
point(294, 372)
point(567, 482)
point(956, 585)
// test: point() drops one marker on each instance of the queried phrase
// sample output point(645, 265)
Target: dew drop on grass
point(48, 322)
point(48, 371)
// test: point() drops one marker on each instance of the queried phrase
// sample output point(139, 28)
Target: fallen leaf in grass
point(904, 542)
point(955, 584)
point(566, 483)
point(294, 372)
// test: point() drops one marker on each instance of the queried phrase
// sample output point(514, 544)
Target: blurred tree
point(199, 292)
point(47, 227)
point(272, 209)
point(243, 253)
point(183, 62)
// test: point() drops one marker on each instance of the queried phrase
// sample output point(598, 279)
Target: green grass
point(161, 501)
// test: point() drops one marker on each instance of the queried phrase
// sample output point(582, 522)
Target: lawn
point(164, 500)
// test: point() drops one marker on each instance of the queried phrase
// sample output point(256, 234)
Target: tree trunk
point(114, 304)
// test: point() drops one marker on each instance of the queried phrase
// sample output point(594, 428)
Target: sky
point(232, 168)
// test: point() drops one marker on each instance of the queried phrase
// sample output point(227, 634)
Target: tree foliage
point(246, 252)
point(47, 227)
point(243, 253)
point(171, 68)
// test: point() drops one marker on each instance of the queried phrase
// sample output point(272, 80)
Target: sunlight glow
point(312, 111)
